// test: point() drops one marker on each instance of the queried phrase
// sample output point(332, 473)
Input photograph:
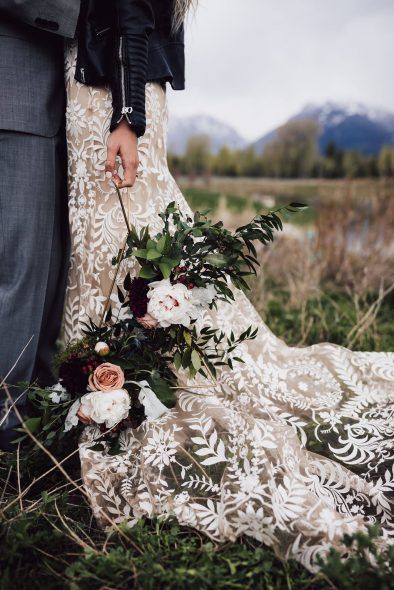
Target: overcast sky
point(254, 63)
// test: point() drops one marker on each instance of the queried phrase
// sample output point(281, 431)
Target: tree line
point(292, 154)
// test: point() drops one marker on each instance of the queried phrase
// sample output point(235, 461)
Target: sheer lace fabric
point(235, 457)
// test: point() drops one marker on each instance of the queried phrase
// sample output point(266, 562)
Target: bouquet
point(127, 369)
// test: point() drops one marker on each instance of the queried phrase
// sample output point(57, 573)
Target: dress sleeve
point(135, 23)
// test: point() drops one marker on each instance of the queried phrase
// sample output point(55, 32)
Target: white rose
point(170, 304)
point(106, 407)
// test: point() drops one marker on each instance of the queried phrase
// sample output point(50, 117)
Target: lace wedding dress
point(294, 447)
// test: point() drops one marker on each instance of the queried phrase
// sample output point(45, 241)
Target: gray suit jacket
point(31, 63)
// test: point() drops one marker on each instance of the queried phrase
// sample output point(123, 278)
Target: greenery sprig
point(197, 251)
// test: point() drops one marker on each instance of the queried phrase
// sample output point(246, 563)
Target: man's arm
point(55, 16)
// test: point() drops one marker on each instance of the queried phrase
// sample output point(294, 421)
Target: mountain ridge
point(350, 125)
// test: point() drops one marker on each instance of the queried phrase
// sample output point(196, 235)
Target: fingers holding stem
point(122, 142)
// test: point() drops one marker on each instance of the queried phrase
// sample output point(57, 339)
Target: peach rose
point(147, 321)
point(106, 378)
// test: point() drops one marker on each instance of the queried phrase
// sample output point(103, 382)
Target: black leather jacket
point(125, 44)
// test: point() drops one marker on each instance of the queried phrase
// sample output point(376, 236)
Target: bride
point(236, 461)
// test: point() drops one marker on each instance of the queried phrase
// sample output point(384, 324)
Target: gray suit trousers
point(33, 254)
point(33, 198)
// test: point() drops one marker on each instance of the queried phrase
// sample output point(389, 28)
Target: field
point(329, 277)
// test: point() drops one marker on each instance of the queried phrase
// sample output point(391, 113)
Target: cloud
point(254, 63)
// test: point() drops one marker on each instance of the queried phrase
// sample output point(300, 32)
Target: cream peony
point(106, 407)
point(170, 304)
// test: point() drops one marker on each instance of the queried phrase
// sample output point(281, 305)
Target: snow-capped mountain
point(350, 125)
point(221, 134)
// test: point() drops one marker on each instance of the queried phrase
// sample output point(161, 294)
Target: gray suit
point(33, 201)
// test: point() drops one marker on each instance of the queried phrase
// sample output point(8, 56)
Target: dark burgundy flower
point(74, 372)
point(74, 375)
point(138, 297)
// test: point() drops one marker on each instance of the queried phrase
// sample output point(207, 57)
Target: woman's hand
point(122, 141)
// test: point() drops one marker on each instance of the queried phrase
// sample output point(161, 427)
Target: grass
point(328, 318)
point(202, 198)
point(311, 290)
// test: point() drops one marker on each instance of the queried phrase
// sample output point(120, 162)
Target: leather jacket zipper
point(125, 110)
point(102, 31)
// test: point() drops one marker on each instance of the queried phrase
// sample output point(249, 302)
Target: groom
point(33, 200)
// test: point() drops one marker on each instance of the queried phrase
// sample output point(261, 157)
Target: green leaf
point(147, 272)
point(151, 244)
point(165, 270)
point(177, 361)
point(187, 337)
point(140, 253)
point(163, 391)
point(33, 424)
point(186, 357)
point(196, 360)
point(192, 372)
point(162, 242)
point(171, 261)
point(153, 254)
point(217, 260)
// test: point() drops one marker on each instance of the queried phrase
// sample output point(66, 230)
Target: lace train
point(236, 458)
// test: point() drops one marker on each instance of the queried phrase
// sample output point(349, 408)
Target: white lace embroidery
point(252, 456)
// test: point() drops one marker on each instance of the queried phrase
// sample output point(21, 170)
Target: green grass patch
point(237, 204)
point(327, 318)
point(200, 199)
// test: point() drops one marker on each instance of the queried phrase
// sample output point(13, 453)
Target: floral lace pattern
point(294, 447)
